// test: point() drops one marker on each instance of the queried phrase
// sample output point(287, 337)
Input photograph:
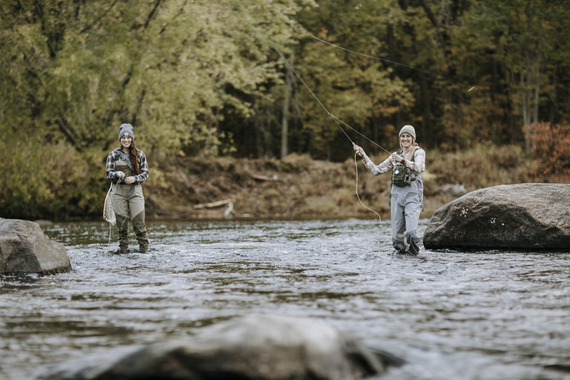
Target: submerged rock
point(24, 248)
point(254, 347)
point(531, 216)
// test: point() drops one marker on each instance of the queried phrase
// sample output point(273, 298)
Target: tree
point(345, 62)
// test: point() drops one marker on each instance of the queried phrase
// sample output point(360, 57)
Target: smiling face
point(126, 142)
point(406, 140)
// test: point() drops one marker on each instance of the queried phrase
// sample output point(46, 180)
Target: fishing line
point(334, 118)
point(367, 55)
point(110, 231)
point(356, 188)
point(309, 34)
point(362, 135)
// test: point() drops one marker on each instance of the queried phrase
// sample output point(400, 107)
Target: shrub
point(549, 145)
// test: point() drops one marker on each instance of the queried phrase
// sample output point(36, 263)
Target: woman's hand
point(396, 157)
point(120, 175)
point(358, 150)
point(129, 180)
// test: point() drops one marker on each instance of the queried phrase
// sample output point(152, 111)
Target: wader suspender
point(126, 158)
point(401, 153)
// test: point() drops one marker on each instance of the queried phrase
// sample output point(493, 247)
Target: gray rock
point(24, 248)
point(261, 347)
point(530, 216)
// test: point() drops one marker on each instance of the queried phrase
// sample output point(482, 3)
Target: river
point(451, 315)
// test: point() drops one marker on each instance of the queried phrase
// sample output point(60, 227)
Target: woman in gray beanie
point(127, 169)
point(406, 192)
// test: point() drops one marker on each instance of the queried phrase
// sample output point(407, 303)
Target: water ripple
point(452, 315)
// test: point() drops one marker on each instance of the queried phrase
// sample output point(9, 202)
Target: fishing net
point(108, 212)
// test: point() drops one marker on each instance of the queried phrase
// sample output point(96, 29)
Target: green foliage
point(202, 78)
point(44, 181)
point(357, 88)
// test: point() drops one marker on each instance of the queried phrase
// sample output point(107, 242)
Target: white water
point(451, 315)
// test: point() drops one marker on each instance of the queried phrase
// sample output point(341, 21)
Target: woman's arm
point(143, 175)
point(385, 166)
point(110, 172)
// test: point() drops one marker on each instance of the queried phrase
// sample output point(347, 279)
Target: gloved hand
point(358, 150)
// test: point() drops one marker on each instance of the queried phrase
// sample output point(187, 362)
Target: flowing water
point(451, 315)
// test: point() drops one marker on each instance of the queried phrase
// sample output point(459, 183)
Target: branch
point(430, 15)
point(99, 19)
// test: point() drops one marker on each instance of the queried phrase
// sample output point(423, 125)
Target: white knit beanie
point(408, 129)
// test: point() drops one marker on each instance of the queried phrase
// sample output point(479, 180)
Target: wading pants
point(128, 201)
point(406, 205)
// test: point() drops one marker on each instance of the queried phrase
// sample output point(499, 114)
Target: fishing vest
point(402, 175)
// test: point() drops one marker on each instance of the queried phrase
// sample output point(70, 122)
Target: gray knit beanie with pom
point(126, 130)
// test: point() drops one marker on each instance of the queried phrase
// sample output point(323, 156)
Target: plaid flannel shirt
point(112, 174)
point(418, 165)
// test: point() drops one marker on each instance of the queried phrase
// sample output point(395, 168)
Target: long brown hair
point(134, 156)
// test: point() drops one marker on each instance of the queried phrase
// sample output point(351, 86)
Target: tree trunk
point(287, 97)
point(536, 84)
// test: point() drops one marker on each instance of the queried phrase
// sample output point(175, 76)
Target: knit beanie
point(408, 129)
point(126, 130)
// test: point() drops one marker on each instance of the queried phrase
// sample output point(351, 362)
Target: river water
point(451, 315)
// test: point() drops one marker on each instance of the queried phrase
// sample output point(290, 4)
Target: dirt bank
point(294, 188)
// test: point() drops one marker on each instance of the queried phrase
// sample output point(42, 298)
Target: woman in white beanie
point(127, 169)
point(406, 192)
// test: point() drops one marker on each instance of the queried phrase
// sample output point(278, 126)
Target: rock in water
point(24, 248)
point(260, 347)
point(530, 216)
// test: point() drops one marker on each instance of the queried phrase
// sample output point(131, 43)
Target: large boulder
point(260, 347)
point(24, 248)
point(530, 216)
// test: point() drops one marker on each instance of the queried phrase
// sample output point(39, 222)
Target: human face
point(406, 140)
point(126, 142)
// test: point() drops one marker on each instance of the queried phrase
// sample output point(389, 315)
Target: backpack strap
point(401, 153)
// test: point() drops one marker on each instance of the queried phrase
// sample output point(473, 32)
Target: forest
point(266, 79)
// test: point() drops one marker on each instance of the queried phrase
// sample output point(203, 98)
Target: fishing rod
point(336, 120)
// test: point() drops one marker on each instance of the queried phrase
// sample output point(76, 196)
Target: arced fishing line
point(374, 57)
point(367, 55)
point(356, 188)
point(336, 120)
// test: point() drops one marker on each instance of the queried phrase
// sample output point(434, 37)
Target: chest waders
point(128, 201)
point(406, 204)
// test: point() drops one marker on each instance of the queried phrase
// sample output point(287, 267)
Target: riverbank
point(301, 188)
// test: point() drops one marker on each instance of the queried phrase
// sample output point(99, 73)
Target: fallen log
point(213, 204)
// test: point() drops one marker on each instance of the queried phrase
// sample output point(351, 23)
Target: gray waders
point(128, 202)
point(406, 205)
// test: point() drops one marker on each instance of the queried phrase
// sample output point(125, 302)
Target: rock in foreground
point(24, 248)
point(261, 347)
point(530, 216)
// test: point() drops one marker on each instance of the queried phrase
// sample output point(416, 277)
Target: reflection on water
point(493, 315)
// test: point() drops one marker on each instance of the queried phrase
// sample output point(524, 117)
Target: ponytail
point(134, 156)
